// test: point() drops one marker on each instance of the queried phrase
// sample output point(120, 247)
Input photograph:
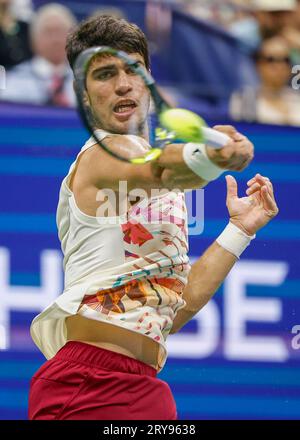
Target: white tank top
point(120, 270)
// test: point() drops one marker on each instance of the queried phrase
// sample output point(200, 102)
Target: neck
point(144, 132)
point(271, 90)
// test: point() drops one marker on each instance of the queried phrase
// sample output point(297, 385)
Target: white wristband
point(195, 156)
point(234, 240)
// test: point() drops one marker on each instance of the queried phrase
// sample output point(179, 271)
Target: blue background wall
point(36, 147)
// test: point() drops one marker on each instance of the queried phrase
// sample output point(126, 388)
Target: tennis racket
point(129, 145)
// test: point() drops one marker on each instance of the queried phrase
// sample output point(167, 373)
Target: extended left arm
point(247, 216)
point(205, 277)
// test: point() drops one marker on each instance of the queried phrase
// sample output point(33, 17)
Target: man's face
point(50, 39)
point(118, 97)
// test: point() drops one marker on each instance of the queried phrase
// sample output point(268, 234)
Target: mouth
point(124, 109)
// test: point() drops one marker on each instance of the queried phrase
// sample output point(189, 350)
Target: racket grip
point(214, 138)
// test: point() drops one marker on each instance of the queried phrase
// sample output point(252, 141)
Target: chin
point(128, 127)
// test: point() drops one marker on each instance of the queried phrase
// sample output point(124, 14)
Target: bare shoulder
point(102, 170)
point(96, 167)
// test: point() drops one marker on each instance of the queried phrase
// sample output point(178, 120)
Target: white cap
point(274, 5)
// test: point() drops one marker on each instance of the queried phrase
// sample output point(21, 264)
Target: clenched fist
point(236, 155)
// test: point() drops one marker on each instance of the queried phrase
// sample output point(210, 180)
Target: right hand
point(236, 155)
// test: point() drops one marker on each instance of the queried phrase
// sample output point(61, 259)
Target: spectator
point(14, 37)
point(46, 79)
point(273, 102)
point(246, 29)
point(158, 20)
point(23, 9)
point(291, 34)
point(112, 11)
point(274, 15)
point(260, 19)
point(244, 25)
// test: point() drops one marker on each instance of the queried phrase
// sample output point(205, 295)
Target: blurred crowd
point(32, 49)
point(269, 32)
point(34, 55)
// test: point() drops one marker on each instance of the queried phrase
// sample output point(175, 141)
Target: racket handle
point(214, 138)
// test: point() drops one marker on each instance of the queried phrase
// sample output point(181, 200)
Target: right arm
point(169, 171)
point(105, 171)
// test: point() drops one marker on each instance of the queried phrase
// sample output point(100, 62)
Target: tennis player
point(128, 282)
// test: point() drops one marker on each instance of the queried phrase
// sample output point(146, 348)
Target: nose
point(123, 85)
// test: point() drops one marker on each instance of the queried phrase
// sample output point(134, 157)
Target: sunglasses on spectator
point(271, 59)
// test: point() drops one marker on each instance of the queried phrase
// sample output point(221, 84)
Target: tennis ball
point(186, 125)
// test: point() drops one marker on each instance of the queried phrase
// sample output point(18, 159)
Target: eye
point(130, 71)
point(105, 75)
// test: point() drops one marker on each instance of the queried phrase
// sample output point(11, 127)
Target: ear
point(86, 99)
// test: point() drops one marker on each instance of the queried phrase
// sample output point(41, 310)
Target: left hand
point(253, 212)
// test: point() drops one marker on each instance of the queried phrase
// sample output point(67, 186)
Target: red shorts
point(84, 382)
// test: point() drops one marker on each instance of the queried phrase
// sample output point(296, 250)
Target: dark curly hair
point(106, 30)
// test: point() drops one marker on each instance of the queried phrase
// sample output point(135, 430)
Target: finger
point(269, 201)
point(257, 183)
point(270, 188)
point(231, 187)
point(228, 129)
point(265, 181)
point(255, 178)
point(269, 183)
point(251, 181)
point(253, 188)
point(262, 178)
point(238, 137)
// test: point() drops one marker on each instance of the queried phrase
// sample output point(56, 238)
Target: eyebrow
point(109, 67)
point(99, 69)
